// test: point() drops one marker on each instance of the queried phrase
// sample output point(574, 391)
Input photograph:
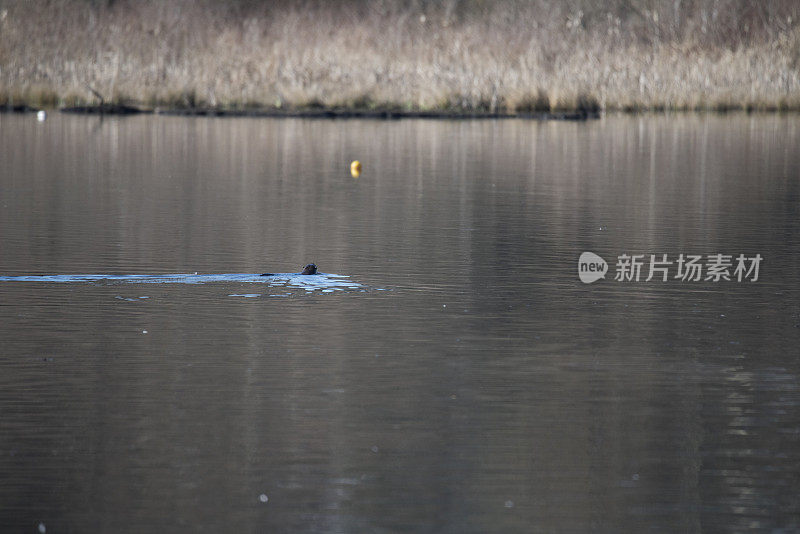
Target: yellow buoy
point(355, 169)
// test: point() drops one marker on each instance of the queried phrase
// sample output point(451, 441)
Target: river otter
point(309, 269)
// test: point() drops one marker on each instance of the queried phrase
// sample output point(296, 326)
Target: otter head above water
point(309, 269)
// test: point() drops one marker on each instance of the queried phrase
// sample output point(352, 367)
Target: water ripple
point(324, 282)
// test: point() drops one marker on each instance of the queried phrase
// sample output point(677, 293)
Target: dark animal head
point(310, 269)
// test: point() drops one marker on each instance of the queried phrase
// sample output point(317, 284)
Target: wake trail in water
point(320, 281)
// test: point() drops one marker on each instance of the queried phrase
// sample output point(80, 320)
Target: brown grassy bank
point(472, 55)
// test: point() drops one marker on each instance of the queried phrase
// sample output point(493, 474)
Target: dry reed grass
point(471, 55)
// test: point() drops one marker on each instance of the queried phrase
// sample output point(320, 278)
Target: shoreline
point(322, 113)
point(357, 59)
point(387, 114)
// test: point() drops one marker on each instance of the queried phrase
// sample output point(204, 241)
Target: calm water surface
point(462, 379)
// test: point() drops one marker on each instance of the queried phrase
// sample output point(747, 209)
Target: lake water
point(449, 373)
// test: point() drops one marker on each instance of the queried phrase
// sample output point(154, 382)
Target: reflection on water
point(489, 390)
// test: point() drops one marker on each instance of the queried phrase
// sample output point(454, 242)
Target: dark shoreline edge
point(381, 114)
point(123, 110)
